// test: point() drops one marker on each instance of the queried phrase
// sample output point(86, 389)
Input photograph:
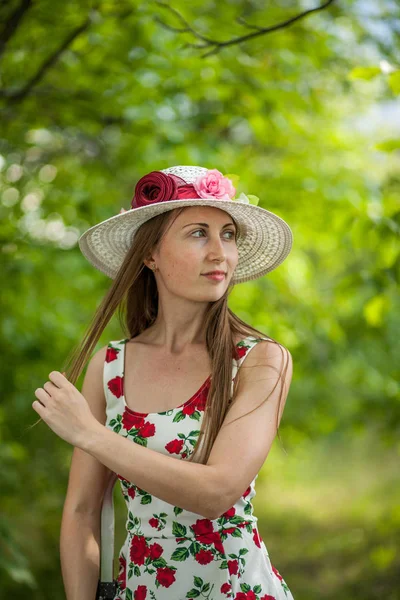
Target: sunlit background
point(95, 95)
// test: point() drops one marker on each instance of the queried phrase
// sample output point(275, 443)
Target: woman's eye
point(232, 233)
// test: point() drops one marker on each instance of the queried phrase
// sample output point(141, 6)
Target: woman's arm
point(81, 518)
point(80, 555)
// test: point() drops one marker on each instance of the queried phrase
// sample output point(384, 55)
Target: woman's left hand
point(64, 409)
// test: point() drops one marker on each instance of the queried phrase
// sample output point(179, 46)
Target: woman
point(189, 478)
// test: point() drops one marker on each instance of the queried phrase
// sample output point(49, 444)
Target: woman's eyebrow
point(206, 224)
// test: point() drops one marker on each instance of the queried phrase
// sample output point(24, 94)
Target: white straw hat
point(264, 239)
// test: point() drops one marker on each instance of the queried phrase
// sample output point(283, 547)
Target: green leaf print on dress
point(170, 553)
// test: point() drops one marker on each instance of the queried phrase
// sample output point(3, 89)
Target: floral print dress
point(170, 553)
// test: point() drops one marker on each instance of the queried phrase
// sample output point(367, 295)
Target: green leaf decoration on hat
point(247, 199)
point(253, 199)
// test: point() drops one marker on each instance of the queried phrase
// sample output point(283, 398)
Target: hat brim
point(264, 239)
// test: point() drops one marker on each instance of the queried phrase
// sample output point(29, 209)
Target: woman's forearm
point(189, 485)
point(80, 555)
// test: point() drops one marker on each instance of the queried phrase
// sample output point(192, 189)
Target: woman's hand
point(64, 409)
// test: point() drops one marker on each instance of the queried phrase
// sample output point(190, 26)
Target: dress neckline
point(184, 405)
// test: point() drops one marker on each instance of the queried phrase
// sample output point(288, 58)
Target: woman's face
point(200, 239)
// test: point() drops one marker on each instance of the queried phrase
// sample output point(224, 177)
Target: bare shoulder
point(92, 387)
point(266, 365)
point(269, 354)
point(97, 360)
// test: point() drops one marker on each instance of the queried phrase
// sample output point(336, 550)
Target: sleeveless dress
point(170, 553)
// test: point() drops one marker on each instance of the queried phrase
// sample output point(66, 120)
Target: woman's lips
point(216, 276)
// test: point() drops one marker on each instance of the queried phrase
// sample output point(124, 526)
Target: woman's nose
point(216, 247)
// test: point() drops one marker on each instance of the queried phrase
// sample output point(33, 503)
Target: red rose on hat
point(157, 187)
point(154, 187)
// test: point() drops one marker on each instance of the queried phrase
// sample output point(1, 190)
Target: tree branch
point(18, 95)
point(12, 23)
point(216, 45)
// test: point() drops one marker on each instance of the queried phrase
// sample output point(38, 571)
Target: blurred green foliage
point(95, 95)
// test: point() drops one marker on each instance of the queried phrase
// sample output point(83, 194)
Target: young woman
point(184, 408)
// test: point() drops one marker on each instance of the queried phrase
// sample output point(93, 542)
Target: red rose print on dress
point(204, 531)
point(139, 550)
point(174, 447)
point(256, 538)
point(241, 351)
point(233, 566)
point(204, 557)
point(155, 551)
point(122, 573)
point(225, 588)
point(250, 595)
point(115, 386)
point(153, 522)
point(205, 534)
point(247, 492)
point(199, 401)
point(165, 576)
point(218, 544)
point(267, 597)
point(147, 429)
point(279, 576)
point(140, 593)
point(111, 354)
point(189, 409)
point(130, 421)
point(202, 398)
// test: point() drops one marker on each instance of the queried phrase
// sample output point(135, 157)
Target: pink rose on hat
point(213, 183)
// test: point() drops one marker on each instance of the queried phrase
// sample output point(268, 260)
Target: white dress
point(170, 553)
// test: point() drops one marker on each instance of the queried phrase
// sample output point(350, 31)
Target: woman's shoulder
point(262, 346)
point(264, 359)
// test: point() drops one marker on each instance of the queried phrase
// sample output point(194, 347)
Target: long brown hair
point(134, 295)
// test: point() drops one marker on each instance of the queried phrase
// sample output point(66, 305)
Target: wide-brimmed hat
point(264, 239)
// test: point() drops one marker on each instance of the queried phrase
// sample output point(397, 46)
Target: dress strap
point(113, 373)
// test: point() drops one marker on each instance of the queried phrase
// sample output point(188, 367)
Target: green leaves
point(368, 73)
point(394, 81)
point(364, 73)
point(304, 122)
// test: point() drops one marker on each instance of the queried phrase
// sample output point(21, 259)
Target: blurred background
point(96, 94)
